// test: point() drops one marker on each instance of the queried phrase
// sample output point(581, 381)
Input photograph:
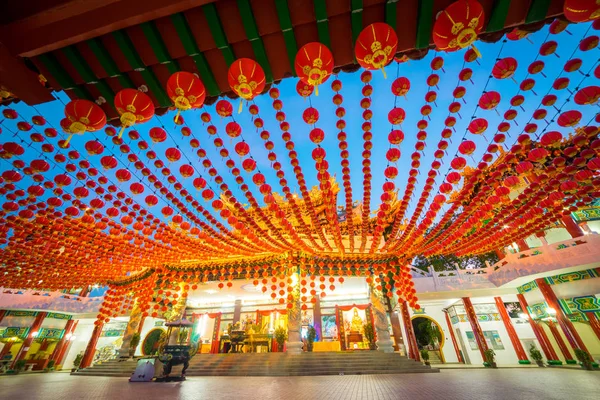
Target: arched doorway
point(429, 335)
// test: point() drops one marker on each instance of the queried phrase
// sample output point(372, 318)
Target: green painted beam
point(424, 24)
point(158, 46)
point(62, 77)
point(391, 12)
point(134, 59)
point(283, 12)
point(356, 8)
point(322, 22)
point(537, 11)
point(191, 47)
point(254, 37)
point(84, 70)
point(498, 16)
point(108, 63)
point(218, 34)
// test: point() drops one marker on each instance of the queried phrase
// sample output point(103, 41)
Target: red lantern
point(82, 116)
point(224, 108)
point(173, 154)
point(158, 135)
point(246, 78)
point(186, 91)
point(458, 25)
point(489, 100)
point(186, 170)
point(581, 10)
point(478, 126)
point(314, 64)
point(569, 118)
point(304, 89)
point(400, 86)
point(588, 95)
point(134, 107)
point(548, 48)
point(376, 46)
point(396, 115)
point(467, 147)
point(504, 68)
point(310, 115)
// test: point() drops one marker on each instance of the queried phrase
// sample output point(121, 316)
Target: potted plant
point(310, 337)
point(490, 358)
point(536, 355)
point(50, 366)
point(370, 335)
point(133, 344)
point(425, 356)
point(280, 338)
point(77, 362)
point(20, 366)
point(584, 359)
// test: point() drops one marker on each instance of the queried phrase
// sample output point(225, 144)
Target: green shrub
point(534, 353)
point(280, 337)
point(51, 364)
point(20, 365)
point(425, 354)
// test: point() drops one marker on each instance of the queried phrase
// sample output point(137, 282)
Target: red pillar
point(500, 254)
point(35, 327)
point(594, 323)
point(539, 334)
point(454, 343)
point(6, 349)
point(512, 334)
point(2, 314)
point(564, 322)
point(522, 245)
point(559, 340)
point(477, 332)
point(411, 340)
point(574, 230)
point(90, 350)
point(84, 291)
point(62, 343)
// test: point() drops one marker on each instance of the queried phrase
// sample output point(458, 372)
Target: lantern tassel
point(476, 50)
point(384, 74)
point(177, 115)
point(66, 143)
point(241, 106)
point(121, 131)
point(316, 90)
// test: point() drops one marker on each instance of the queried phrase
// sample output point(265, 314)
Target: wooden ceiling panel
point(372, 14)
point(302, 12)
point(187, 64)
point(46, 73)
point(142, 46)
point(336, 7)
point(265, 15)
point(138, 80)
point(113, 49)
point(114, 84)
point(280, 63)
point(231, 21)
point(170, 37)
point(68, 66)
point(90, 58)
point(406, 26)
point(517, 12)
point(243, 50)
point(219, 68)
point(200, 30)
point(306, 33)
point(162, 74)
point(342, 48)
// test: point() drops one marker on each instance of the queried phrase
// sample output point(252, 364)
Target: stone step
point(278, 364)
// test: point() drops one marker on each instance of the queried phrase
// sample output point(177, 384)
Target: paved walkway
point(475, 384)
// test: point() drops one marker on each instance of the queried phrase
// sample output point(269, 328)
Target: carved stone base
point(294, 347)
point(384, 344)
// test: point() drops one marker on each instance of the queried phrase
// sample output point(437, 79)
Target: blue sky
point(383, 100)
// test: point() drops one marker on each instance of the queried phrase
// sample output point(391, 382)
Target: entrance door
point(463, 349)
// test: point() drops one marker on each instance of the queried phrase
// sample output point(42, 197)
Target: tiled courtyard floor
point(507, 384)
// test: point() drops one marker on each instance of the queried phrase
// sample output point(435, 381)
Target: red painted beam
point(79, 20)
point(20, 80)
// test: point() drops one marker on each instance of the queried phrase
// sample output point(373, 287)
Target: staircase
point(280, 364)
point(434, 357)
